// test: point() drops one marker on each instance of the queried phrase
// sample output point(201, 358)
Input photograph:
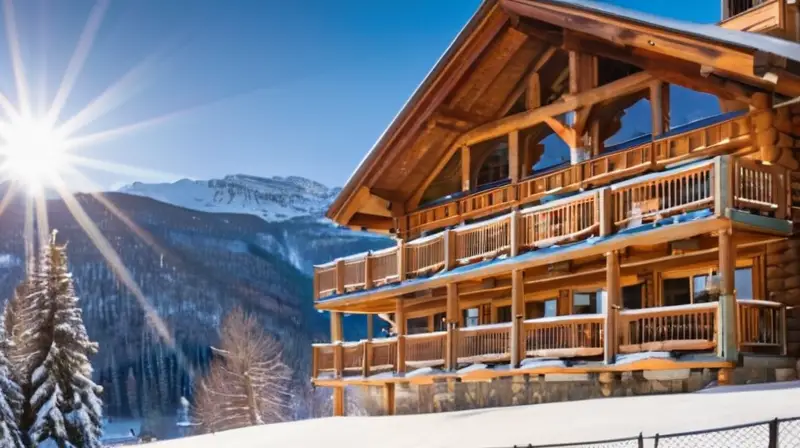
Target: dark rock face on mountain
point(195, 268)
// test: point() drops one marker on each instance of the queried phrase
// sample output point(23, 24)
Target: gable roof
point(729, 53)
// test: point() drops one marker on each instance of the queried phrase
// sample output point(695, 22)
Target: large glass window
point(703, 288)
point(632, 296)
point(439, 322)
point(546, 308)
point(588, 302)
point(471, 317)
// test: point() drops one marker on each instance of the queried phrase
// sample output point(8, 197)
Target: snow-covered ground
point(575, 421)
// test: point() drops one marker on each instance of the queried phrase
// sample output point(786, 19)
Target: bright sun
point(34, 152)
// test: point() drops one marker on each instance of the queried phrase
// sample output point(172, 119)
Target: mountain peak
point(273, 198)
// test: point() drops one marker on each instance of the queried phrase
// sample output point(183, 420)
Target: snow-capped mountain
point(271, 198)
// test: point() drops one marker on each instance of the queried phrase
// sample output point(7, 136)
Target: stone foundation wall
point(448, 396)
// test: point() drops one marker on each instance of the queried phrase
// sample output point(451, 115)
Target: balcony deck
point(558, 344)
point(695, 198)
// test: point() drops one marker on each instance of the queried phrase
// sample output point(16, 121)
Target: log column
point(389, 398)
point(727, 341)
point(338, 361)
point(466, 168)
point(452, 317)
point(518, 316)
point(400, 325)
point(659, 107)
point(611, 307)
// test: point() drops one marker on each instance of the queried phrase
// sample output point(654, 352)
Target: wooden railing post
point(518, 317)
point(780, 182)
point(451, 355)
point(610, 307)
point(366, 365)
point(314, 362)
point(401, 260)
point(400, 324)
point(449, 249)
point(368, 271)
point(605, 212)
point(784, 332)
point(339, 276)
point(723, 187)
point(727, 299)
point(514, 232)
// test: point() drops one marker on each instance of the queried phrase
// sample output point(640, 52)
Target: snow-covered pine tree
point(13, 323)
point(10, 396)
point(63, 404)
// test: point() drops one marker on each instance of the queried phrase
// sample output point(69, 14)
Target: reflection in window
point(588, 302)
point(705, 288)
point(471, 317)
point(676, 291)
point(743, 283)
point(539, 309)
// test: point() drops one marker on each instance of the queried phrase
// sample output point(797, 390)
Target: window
point(535, 310)
point(440, 322)
point(417, 325)
point(504, 314)
point(703, 288)
point(471, 317)
point(588, 302)
point(632, 297)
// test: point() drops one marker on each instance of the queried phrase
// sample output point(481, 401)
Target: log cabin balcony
point(777, 17)
point(520, 217)
point(574, 340)
point(737, 189)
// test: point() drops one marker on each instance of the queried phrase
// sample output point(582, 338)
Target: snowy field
point(537, 424)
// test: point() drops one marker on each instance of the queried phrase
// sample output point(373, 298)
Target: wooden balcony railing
point(484, 343)
point(564, 336)
point(762, 325)
point(722, 182)
point(557, 221)
point(761, 328)
point(711, 139)
point(482, 240)
point(661, 195)
point(684, 327)
point(426, 349)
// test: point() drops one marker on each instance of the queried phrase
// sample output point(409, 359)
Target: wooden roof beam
point(523, 120)
point(527, 81)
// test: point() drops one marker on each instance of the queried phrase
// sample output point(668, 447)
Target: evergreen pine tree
point(63, 404)
point(10, 396)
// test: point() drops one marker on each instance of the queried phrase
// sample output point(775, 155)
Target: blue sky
point(262, 87)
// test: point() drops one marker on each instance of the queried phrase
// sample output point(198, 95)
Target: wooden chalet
point(682, 242)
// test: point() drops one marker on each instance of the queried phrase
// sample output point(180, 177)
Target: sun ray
point(119, 168)
point(27, 232)
point(113, 259)
point(75, 65)
point(110, 206)
point(18, 66)
point(8, 197)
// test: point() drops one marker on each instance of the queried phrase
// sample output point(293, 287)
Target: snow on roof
point(736, 38)
point(585, 420)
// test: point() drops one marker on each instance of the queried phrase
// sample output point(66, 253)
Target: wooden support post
point(466, 168)
point(727, 341)
point(513, 156)
point(452, 317)
point(336, 326)
point(400, 323)
point(337, 337)
point(388, 399)
point(401, 260)
point(338, 401)
point(533, 93)
point(339, 276)
point(449, 249)
point(514, 232)
point(611, 307)
point(368, 272)
point(659, 107)
point(723, 186)
point(316, 285)
point(366, 358)
point(605, 212)
point(518, 349)
point(784, 335)
point(370, 327)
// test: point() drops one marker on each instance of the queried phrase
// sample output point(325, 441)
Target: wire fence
point(778, 433)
